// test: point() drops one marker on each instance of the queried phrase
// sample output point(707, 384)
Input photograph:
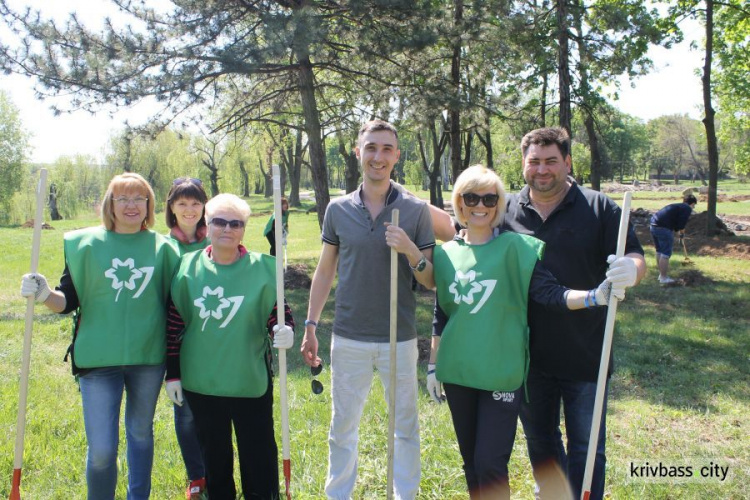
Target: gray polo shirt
point(364, 265)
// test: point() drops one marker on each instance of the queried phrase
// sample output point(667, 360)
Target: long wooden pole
point(609, 328)
point(15, 489)
point(393, 364)
point(280, 320)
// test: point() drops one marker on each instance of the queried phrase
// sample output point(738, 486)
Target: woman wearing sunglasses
point(117, 277)
point(186, 219)
point(484, 280)
point(225, 297)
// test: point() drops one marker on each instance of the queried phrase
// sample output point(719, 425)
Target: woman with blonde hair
point(225, 296)
point(484, 279)
point(117, 279)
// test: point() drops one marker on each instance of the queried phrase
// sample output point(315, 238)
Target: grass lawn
point(680, 393)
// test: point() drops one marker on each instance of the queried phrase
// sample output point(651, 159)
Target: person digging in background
point(664, 223)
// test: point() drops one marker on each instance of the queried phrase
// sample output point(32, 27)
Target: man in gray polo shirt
point(356, 242)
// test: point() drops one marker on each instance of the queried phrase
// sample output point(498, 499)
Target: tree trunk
point(314, 137)
point(596, 154)
point(708, 122)
point(245, 179)
point(213, 175)
point(351, 169)
point(295, 170)
point(543, 102)
point(563, 67)
point(455, 113)
point(54, 213)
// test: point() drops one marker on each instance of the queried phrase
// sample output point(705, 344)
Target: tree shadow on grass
point(681, 347)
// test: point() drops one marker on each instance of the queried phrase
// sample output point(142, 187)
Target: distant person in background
point(664, 223)
point(270, 230)
point(117, 276)
point(186, 219)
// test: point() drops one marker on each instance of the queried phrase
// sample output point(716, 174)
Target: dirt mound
point(724, 244)
point(297, 277)
point(30, 224)
point(694, 277)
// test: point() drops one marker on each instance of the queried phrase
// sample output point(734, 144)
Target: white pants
point(352, 364)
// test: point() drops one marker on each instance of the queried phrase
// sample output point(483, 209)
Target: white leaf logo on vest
point(131, 275)
point(222, 303)
point(462, 281)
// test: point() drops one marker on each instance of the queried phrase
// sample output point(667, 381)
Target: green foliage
point(79, 185)
point(13, 149)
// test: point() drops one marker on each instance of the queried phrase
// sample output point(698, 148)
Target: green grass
point(681, 388)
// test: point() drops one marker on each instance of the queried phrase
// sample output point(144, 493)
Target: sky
point(672, 87)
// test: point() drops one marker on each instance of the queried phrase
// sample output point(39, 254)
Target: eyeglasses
point(138, 200)
point(316, 385)
point(183, 180)
point(472, 199)
point(223, 223)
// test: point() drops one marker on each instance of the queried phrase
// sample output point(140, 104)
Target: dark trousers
point(271, 237)
point(485, 424)
point(252, 419)
point(541, 425)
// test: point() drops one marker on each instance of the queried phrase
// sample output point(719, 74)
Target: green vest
point(284, 223)
point(184, 248)
point(225, 309)
point(122, 282)
point(484, 291)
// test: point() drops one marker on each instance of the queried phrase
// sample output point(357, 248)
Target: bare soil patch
point(297, 277)
point(30, 224)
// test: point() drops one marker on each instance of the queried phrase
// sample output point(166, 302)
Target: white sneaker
point(666, 281)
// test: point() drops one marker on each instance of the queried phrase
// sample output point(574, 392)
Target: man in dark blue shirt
point(664, 223)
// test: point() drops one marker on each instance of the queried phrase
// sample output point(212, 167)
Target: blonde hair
point(128, 182)
point(478, 177)
point(226, 201)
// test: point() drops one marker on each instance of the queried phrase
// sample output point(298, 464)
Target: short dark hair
point(375, 126)
point(185, 187)
point(546, 137)
point(690, 199)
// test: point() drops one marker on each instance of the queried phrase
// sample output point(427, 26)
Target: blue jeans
point(663, 240)
point(101, 392)
point(187, 437)
point(540, 417)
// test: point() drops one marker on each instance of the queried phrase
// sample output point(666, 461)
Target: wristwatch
point(420, 265)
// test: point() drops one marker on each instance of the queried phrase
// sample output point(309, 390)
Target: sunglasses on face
point(191, 180)
point(472, 199)
point(316, 385)
point(223, 223)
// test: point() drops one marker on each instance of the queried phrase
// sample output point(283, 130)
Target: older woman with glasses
point(226, 298)
point(117, 278)
point(186, 219)
point(484, 279)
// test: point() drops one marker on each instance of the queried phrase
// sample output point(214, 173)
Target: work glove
point(283, 337)
point(606, 290)
point(622, 272)
point(35, 285)
point(434, 387)
point(174, 391)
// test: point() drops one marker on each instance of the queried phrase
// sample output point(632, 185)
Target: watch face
point(422, 264)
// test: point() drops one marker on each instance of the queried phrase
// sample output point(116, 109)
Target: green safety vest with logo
point(122, 282)
point(484, 291)
point(184, 248)
point(225, 309)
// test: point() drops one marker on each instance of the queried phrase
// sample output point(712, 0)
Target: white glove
point(622, 272)
point(607, 290)
point(283, 337)
point(35, 285)
point(174, 391)
point(434, 387)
